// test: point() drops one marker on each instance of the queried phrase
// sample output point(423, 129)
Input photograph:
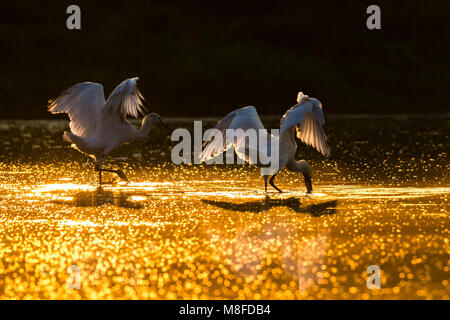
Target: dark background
point(206, 58)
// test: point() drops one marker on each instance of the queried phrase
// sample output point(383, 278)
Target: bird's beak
point(308, 183)
point(165, 126)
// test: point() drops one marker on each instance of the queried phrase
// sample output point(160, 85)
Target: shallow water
point(209, 231)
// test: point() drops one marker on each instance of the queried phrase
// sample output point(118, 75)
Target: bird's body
point(98, 126)
point(304, 119)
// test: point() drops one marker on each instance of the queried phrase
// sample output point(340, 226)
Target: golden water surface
point(209, 232)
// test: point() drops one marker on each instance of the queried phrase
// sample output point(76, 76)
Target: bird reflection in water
point(100, 196)
point(315, 210)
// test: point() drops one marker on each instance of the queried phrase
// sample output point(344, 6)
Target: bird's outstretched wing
point(307, 117)
point(82, 102)
point(125, 99)
point(243, 118)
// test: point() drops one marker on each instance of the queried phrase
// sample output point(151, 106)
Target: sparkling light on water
point(210, 232)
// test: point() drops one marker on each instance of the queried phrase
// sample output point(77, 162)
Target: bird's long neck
point(299, 166)
point(143, 132)
point(296, 166)
point(288, 137)
point(288, 146)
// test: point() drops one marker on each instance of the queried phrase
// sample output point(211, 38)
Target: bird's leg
point(98, 167)
point(273, 185)
point(308, 183)
point(265, 184)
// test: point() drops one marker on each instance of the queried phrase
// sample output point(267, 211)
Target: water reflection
point(100, 196)
point(316, 210)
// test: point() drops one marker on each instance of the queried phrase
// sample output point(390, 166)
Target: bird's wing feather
point(243, 118)
point(125, 99)
point(82, 102)
point(307, 118)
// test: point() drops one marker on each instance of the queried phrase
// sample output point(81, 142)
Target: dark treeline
point(208, 57)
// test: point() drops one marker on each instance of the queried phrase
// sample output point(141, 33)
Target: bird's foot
point(276, 188)
point(122, 176)
point(113, 182)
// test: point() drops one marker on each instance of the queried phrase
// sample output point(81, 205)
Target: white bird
point(98, 126)
point(305, 120)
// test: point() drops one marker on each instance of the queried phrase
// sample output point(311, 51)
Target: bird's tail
point(72, 138)
point(81, 144)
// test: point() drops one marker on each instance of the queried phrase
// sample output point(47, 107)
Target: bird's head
point(305, 169)
point(153, 118)
point(301, 96)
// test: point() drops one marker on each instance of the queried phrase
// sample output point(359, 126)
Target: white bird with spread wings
point(98, 126)
point(304, 120)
